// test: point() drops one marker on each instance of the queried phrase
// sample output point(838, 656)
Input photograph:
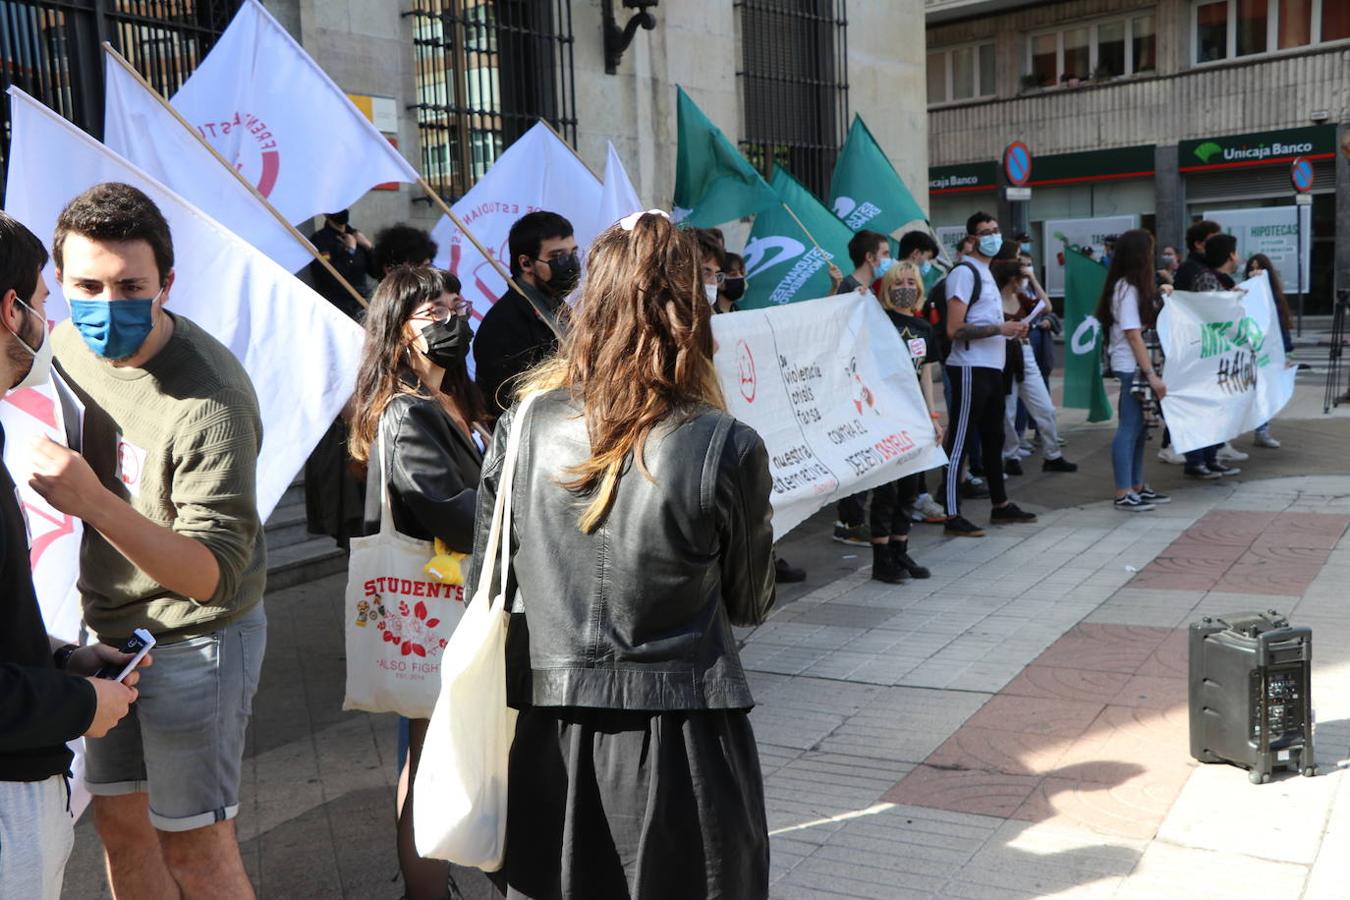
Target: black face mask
point(566, 272)
point(447, 342)
point(733, 288)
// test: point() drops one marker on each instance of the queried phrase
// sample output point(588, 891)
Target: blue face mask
point(883, 266)
point(990, 244)
point(114, 329)
point(925, 267)
point(1026, 248)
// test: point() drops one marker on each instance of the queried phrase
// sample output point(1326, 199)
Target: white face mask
point(41, 371)
point(710, 291)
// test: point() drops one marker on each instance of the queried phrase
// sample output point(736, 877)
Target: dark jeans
point(979, 409)
point(852, 511)
point(890, 515)
point(1203, 457)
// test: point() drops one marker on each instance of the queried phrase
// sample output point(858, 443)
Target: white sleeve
point(960, 285)
point(1127, 307)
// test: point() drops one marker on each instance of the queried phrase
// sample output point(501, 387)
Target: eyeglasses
point(440, 312)
point(994, 233)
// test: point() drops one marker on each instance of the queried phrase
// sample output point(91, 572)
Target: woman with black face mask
point(732, 288)
point(413, 390)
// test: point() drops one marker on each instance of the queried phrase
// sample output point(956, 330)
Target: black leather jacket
point(637, 615)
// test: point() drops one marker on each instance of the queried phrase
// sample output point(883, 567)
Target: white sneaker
point(1026, 444)
point(1265, 439)
point(1170, 456)
point(1232, 454)
point(1024, 452)
point(930, 509)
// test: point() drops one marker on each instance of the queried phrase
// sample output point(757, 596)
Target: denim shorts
point(183, 741)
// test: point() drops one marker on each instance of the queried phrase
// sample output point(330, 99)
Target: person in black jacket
point(520, 330)
point(642, 534)
point(419, 426)
point(348, 251)
point(46, 698)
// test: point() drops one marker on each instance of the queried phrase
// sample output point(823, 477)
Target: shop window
point(961, 73)
point(1225, 29)
point(1101, 50)
point(1295, 23)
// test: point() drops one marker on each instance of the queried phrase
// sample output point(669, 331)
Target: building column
point(1341, 277)
point(1170, 199)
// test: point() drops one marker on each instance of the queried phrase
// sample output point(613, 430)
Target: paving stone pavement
point(1013, 727)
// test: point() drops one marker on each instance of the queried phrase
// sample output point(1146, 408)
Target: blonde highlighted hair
point(638, 351)
point(889, 282)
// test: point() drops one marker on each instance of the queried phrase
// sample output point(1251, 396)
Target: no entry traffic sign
point(1017, 163)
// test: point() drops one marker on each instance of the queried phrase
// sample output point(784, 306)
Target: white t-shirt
point(1125, 313)
point(984, 353)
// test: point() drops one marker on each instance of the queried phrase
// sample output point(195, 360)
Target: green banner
point(713, 182)
point(1084, 280)
point(866, 191)
point(782, 263)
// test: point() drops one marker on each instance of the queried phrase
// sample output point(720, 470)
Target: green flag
point(866, 191)
point(713, 182)
point(1083, 388)
point(782, 264)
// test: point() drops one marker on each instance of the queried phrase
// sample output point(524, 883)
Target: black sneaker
point(1149, 495)
point(1202, 472)
point(1224, 471)
point(1012, 467)
point(1058, 464)
point(1132, 502)
point(960, 526)
point(1010, 515)
point(786, 574)
point(973, 490)
point(906, 563)
point(857, 535)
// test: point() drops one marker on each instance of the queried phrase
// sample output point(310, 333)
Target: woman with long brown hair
point(641, 534)
point(413, 390)
point(1127, 308)
point(1256, 264)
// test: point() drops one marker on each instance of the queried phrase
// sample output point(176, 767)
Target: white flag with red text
point(267, 107)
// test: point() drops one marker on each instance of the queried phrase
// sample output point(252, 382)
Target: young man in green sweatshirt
point(172, 543)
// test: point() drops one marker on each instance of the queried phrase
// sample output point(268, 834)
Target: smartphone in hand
point(137, 645)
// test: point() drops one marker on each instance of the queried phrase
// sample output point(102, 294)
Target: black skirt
point(643, 805)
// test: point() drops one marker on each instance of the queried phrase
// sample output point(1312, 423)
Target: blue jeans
point(1127, 448)
point(1205, 456)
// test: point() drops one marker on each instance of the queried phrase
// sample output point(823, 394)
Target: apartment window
point(1228, 29)
point(50, 49)
point(1106, 49)
point(794, 70)
point(961, 73)
point(487, 71)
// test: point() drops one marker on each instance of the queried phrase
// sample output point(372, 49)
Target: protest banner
point(782, 261)
point(1225, 370)
point(1083, 387)
point(269, 109)
point(1060, 234)
point(714, 183)
point(537, 172)
point(830, 388)
point(299, 351)
point(1274, 231)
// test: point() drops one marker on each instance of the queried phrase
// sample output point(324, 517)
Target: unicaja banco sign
point(1264, 148)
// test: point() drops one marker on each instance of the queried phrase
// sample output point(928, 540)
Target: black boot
point(903, 561)
point(884, 567)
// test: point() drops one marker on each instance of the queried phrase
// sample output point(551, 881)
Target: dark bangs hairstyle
point(1132, 263)
point(1276, 286)
point(384, 372)
point(638, 351)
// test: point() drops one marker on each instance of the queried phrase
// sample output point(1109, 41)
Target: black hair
point(734, 261)
point(710, 245)
point(1219, 248)
point(400, 244)
point(115, 212)
point(976, 220)
point(862, 244)
point(917, 241)
point(529, 233)
point(1199, 232)
point(22, 257)
point(1006, 264)
point(1132, 263)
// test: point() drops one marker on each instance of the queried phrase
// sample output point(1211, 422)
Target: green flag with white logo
point(866, 191)
point(1084, 280)
point(782, 264)
point(714, 183)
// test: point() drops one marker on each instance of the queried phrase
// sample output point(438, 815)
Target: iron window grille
point(51, 49)
point(487, 71)
point(794, 76)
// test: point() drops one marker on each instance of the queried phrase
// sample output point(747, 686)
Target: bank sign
point(1261, 149)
